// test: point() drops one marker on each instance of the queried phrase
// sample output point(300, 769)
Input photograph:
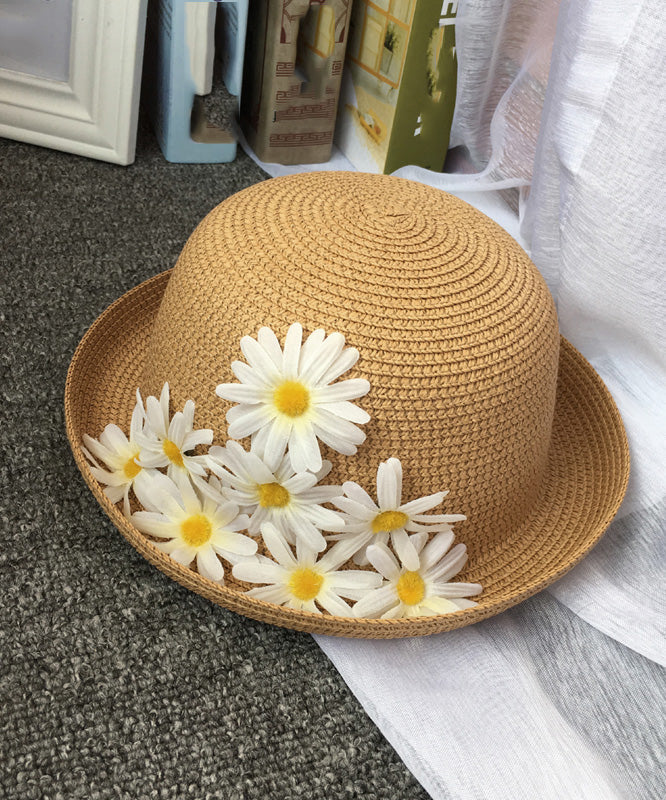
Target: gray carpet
point(115, 682)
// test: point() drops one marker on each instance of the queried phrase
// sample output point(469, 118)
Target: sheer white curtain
point(595, 222)
point(536, 703)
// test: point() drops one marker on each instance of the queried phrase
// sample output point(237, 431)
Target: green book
point(399, 84)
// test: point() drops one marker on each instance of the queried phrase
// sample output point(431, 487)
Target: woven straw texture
point(458, 337)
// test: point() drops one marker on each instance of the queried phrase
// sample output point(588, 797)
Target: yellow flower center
point(172, 452)
point(196, 530)
point(131, 468)
point(389, 521)
point(305, 583)
point(272, 495)
point(291, 398)
point(411, 589)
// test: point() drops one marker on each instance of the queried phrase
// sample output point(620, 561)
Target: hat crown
point(456, 330)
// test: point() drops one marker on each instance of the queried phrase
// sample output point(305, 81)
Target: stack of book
point(377, 77)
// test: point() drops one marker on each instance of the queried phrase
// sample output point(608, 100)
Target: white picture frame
point(94, 112)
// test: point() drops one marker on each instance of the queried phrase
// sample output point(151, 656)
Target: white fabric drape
point(478, 713)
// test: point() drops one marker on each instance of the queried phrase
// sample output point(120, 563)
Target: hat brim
point(585, 480)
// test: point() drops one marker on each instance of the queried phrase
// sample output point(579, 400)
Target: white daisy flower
point(120, 455)
point(369, 522)
point(286, 400)
point(193, 526)
point(165, 442)
point(419, 585)
point(291, 501)
point(300, 581)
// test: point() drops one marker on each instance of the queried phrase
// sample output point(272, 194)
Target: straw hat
point(472, 387)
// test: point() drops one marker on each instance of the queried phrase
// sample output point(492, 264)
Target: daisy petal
point(204, 436)
point(346, 410)
point(335, 605)
point(277, 546)
point(276, 443)
point(436, 549)
point(292, 351)
point(240, 393)
point(247, 375)
point(113, 438)
point(309, 533)
point(155, 417)
point(405, 550)
point(324, 518)
point(95, 448)
point(304, 450)
point(209, 565)
point(111, 479)
point(461, 603)
point(456, 589)
point(345, 390)
point(183, 554)
point(259, 439)
point(270, 594)
point(257, 357)
point(249, 422)
point(439, 518)
point(339, 554)
point(127, 511)
point(422, 504)
point(300, 482)
point(356, 510)
point(327, 353)
point(269, 341)
point(164, 403)
point(256, 571)
point(326, 467)
point(383, 560)
point(419, 540)
point(234, 543)
point(450, 565)
point(138, 417)
point(310, 350)
point(376, 603)
point(439, 605)
point(354, 579)
point(115, 493)
point(320, 494)
point(389, 484)
point(232, 457)
point(154, 524)
point(359, 495)
point(188, 414)
point(397, 612)
point(344, 362)
point(195, 465)
point(338, 427)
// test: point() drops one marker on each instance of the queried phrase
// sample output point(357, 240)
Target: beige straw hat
point(472, 387)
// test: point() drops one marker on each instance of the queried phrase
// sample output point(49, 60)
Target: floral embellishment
point(165, 442)
point(287, 398)
point(192, 526)
point(368, 522)
point(291, 501)
point(301, 581)
point(420, 584)
point(120, 455)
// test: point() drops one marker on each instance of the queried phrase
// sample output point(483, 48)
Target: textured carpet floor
point(115, 682)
